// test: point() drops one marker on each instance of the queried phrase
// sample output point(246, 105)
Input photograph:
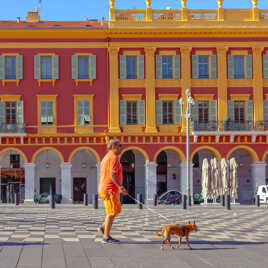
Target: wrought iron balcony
point(12, 128)
point(204, 126)
point(227, 125)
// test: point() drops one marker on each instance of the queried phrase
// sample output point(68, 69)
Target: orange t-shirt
point(110, 164)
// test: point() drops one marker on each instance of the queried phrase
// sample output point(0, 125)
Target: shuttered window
point(11, 67)
point(167, 64)
point(46, 67)
point(46, 113)
point(83, 67)
point(132, 113)
point(203, 66)
point(167, 112)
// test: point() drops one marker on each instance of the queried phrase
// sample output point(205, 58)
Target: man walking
point(110, 187)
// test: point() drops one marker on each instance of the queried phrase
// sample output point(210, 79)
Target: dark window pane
point(203, 67)
point(131, 67)
point(46, 67)
point(15, 161)
point(11, 112)
point(238, 66)
point(203, 114)
point(167, 112)
point(10, 71)
point(167, 66)
point(132, 113)
point(83, 72)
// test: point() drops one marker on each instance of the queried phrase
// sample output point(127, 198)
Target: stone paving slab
point(37, 236)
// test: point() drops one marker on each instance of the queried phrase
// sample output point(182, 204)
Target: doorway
point(128, 165)
point(161, 173)
point(79, 189)
point(48, 185)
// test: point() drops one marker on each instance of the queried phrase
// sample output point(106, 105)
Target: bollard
point(155, 199)
point(52, 201)
point(223, 200)
point(184, 201)
point(17, 199)
point(190, 201)
point(257, 200)
point(139, 198)
point(95, 201)
point(228, 201)
point(85, 199)
point(121, 199)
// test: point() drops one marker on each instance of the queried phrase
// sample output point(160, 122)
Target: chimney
point(33, 17)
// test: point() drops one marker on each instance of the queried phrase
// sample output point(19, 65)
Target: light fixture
point(47, 164)
point(132, 165)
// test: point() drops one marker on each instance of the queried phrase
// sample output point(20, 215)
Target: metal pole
point(188, 152)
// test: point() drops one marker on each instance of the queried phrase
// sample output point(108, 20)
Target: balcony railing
point(229, 125)
point(12, 128)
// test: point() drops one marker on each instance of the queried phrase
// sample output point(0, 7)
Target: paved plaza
point(36, 236)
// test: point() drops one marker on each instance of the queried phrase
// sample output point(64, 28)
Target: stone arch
point(134, 148)
point(250, 151)
point(14, 149)
point(59, 154)
point(214, 151)
point(264, 156)
point(172, 148)
point(84, 148)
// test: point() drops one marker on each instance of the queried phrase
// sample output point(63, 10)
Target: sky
point(96, 9)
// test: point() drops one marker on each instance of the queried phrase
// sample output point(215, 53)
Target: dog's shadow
point(214, 245)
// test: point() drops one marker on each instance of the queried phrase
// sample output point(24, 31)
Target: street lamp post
point(187, 115)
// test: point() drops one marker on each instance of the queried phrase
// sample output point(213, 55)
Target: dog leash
point(160, 215)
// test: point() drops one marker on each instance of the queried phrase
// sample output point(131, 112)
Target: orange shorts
point(112, 203)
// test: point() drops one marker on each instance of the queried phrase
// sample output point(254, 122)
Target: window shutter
point(74, 67)
point(92, 74)
point(195, 69)
point(141, 67)
point(230, 66)
point(141, 117)
point(123, 112)
point(195, 111)
point(19, 113)
point(123, 67)
point(2, 113)
point(55, 69)
point(177, 66)
point(265, 66)
point(2, 67)
point(159, 112)
point(249, 104)
point(37, 67)
point(249, 66)
point(19, 67)
point(177, 113)
point(265, 110)
point(213, 67)
point(158, 62)
point(231, 110)
point(50, 116)
point(213, 110)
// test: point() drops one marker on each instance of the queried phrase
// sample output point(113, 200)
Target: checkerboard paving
point(76, 222)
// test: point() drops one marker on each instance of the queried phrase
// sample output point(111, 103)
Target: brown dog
point(179, 230)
